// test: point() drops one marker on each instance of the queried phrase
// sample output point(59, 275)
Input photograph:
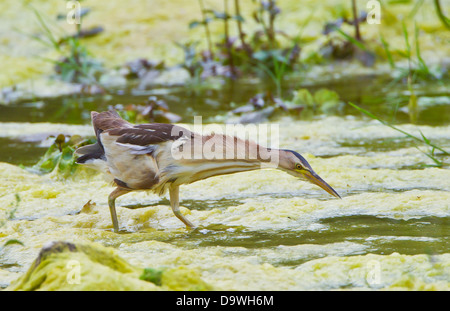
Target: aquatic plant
point(347, 46)
point(225, 55)
point(192, 62)
point(9, 214)
point(78, 66)
point(153, 110)
point(430, 153)
point(152, 275)
point(417, 69)
point(445, 20)
point(268, 56)
point(439, 12)
point(140, 68)
point(239, 20)
point(75, 64)
point(205, 20)
point(59, 157)
point(268, 106)
point(261, 54)
point(322, 101)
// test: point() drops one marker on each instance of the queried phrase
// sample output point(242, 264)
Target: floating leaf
point(326, 99)
point(60, 155)
point(303, 97)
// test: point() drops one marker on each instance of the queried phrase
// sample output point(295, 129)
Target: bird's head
point(294, 164)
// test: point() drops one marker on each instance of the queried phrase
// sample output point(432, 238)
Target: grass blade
point(351, 39)
point(423, 66)
point(47, 30)
point(388, 53)
point(422, 140)
point(438, 163)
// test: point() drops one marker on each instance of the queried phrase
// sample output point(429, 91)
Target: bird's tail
point(107, 120)
point(101, 121)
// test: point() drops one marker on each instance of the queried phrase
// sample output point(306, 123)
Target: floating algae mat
point(100, 268)
point(260, 230)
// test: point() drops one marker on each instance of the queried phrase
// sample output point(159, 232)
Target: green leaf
point(13, 241)
point(423, 65)
point(388, 53)
point(152, 275)
point(303, 97)
point(326, 97)
point(426, 140)
point(436, 161)
point(371, 115)
point(351, 39)
point(408, 47)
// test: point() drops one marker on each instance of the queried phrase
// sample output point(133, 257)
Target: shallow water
point(378, 93)
point(258, 230)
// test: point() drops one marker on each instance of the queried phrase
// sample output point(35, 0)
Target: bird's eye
point(298, 166)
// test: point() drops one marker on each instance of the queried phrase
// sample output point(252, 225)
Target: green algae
point(257, 230)
point(99, 268)
point(183, 278)
point(67, 266)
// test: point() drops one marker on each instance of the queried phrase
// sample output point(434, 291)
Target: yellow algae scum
point(67, 266)
point(260, 230)
point(148, 29)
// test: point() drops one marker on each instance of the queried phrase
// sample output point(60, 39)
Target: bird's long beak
point(316, 179)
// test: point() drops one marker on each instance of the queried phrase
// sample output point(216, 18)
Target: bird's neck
point(222, 155)
point(230, 149)
point(223, 167)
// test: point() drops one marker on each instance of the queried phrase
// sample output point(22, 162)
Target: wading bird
point(160, 157)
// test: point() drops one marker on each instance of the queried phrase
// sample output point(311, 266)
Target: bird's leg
point(112, 205)
point(175, 204)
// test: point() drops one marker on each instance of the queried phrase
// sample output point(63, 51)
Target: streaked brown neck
point(220, 155)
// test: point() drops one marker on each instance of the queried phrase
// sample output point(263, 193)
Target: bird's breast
point(137, 171)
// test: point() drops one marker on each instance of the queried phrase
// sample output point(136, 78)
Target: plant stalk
point(205, 25)
point(246, 47)
point(441, 15)
point(356, 21)
point(227, 40)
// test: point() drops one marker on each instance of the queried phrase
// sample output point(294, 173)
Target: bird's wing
point(145, 138)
